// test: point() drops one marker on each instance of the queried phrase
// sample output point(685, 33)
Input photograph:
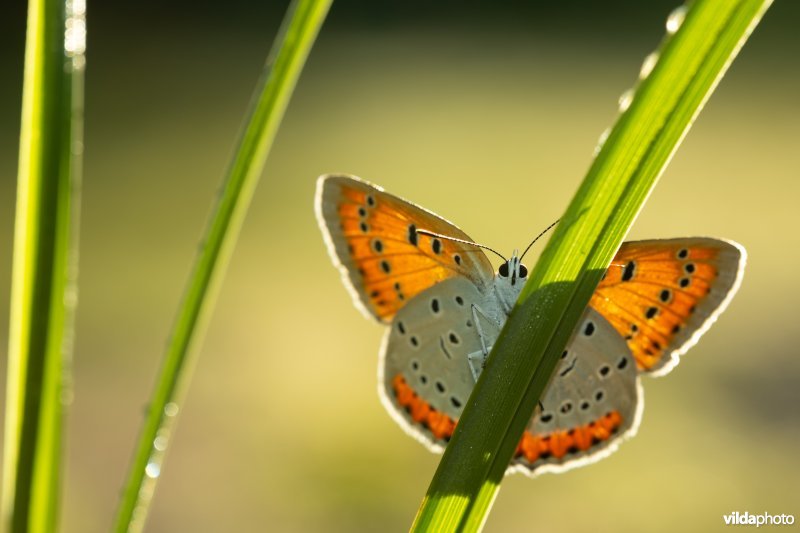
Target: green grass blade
point(42, 290)
point(622, 175)
point(298, 32)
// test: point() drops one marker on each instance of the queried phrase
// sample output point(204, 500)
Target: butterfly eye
point(523, 271)
point(503, 270)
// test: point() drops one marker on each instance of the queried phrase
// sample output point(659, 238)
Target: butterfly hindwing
point(374, 238)
point(424, 372)
point(591, 403)
point(661, 295)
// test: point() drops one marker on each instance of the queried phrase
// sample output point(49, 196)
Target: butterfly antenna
point(548, 228)
point(462, 241)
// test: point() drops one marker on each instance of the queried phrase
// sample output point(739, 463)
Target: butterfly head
point(508, 282)
point(513, 272)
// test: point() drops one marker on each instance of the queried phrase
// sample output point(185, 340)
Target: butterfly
point(444, 306)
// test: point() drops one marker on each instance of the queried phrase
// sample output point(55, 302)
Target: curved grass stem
point(295, 38)
point(641, 143)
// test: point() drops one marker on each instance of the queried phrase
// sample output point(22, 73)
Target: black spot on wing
point(629, 271)
point(412, 234)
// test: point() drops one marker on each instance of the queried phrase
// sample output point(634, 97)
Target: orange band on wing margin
point(560, 443)
point(533, 447)
point(438, 423)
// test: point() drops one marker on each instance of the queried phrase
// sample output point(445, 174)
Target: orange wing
point(661, 295)
point(373, 238)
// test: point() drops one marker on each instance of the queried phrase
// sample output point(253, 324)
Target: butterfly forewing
point(661, 295)
point(374, 238)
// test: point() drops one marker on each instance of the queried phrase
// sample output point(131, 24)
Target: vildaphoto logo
point(765, 519)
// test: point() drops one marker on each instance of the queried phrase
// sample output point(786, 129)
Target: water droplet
point(78, 7)
point(75, 36)
point(625, 100)
point(648, 64)
point(160, 443)
point(602, 140)
point(171, 409)
point(675, 19)
point(78, 62)
point(75, 33)
point(152, 470)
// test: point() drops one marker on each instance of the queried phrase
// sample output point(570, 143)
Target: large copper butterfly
point(445, 306)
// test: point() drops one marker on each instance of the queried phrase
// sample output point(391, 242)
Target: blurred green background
point(487, 114)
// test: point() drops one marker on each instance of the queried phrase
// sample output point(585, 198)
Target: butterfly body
point(445, 306)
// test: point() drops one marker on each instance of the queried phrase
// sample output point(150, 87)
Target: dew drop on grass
point(153, 469)
point(75, 33)
point(160, 443)
point(171, 409)
point(675, 19)
point(625, 100)
point(648, 64)
point(602, 140)
point(75, 36)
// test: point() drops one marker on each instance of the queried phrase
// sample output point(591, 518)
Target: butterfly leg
point(475, 310)
point(477, 359)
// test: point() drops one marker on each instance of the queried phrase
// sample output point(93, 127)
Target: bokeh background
point(486, 113)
